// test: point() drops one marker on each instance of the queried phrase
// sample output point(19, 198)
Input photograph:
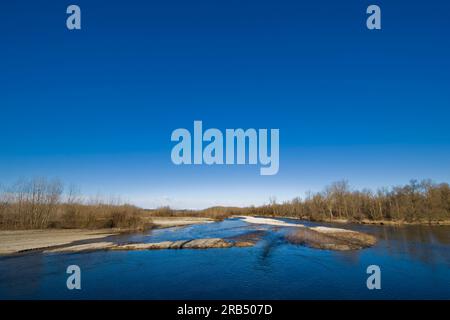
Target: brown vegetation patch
point(340, 240)
point(207, 243)
point(42, 204)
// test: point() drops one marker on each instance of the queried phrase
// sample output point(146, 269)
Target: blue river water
point(414, 262)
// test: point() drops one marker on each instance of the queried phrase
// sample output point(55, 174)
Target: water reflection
point(427, 244)
point(17, 277)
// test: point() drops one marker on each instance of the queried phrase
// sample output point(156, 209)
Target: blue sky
point(96, 107)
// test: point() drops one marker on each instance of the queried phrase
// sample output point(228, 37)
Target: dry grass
point(74, 216)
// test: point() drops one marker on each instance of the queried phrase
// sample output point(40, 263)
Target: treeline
point(216, 213)
point(423, 201)
point(40, 204)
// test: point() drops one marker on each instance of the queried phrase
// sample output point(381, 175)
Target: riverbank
point(363, 222)
point(169, 222)
point(207, 243)
point(19, 241)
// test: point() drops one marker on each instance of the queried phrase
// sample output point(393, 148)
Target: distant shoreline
point(368, 222)
point(46, 204)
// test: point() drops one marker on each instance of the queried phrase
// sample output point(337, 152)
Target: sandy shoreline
point(17, 241)
point(396, 223)
point(269, 221)
point(169, 222)
point(25, 240)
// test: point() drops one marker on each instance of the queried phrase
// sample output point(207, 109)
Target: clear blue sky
point(96, 107)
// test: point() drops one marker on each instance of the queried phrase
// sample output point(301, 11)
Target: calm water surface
point(414, 261)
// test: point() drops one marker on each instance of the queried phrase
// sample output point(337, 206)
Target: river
point(414, 263)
